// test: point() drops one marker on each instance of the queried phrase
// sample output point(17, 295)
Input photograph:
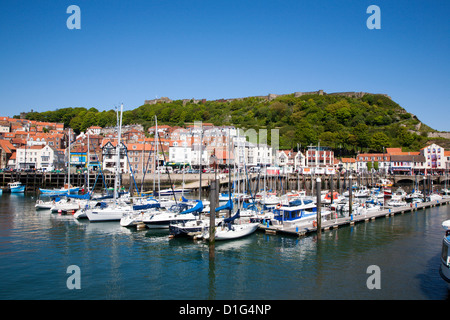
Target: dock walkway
point(292, 229)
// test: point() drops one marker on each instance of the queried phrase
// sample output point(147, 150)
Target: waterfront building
point(366, 162)
point(109, 157)
point(407, 164)
point(39, 157)
point(286, 160)
point(6, 152)
point(140, 157)
point(435, 158)
point(319, 157)
point(348, 164)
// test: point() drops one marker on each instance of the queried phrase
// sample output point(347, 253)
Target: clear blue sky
point(130, 51)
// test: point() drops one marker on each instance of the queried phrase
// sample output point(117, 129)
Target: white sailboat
point(115, 210)
point(228, 229)
point(180, 213)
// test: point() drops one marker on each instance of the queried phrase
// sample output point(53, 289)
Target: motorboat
point(444, 269)
point(336, 198)
point(295, 211)
point(361, 193)
point(395, 203)
point(399, 194)
point(415, 196)
point(384, 183)
point(434, 197)
point(16, 187)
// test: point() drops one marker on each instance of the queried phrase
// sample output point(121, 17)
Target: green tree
point(378, 141)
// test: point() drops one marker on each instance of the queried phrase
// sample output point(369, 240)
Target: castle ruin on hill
point(269, 97)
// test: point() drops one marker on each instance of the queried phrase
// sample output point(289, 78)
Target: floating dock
point(293, 230)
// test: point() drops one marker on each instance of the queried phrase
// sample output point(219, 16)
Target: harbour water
point(37, 247)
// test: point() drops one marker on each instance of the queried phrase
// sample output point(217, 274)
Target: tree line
point(347, 124)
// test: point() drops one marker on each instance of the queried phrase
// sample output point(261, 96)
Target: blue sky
point(130, 51)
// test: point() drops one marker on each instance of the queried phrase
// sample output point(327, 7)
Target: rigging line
point(167, 170)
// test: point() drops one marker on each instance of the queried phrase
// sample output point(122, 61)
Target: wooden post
point(350, 196)
point(331, 187)
point(318, 205)
point(212, 211)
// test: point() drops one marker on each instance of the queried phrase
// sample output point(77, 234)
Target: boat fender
point(314, 223)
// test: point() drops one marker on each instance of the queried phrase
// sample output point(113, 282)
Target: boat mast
point(119, 133)
point(68, 165)
point(88, 156)
point(157, 159)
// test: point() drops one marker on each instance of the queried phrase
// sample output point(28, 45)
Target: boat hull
point(163, 220)
point(60, 191)
point(20, 189)
point(444, 271)
point(236, 232)
point(107, 214)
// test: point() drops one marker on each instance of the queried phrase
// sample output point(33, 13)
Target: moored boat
point(179, 213)
point(16, 187)
point(444, 269)
point(60, 191)
point(228, 229)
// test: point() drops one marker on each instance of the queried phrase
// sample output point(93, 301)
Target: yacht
point(105, 212)
point(228, 229)
point(179, 213)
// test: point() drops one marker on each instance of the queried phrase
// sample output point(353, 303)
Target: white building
point(196, 153)
point(299, 161)
point(39, 157)
point(110, 157)
point(181, 154)
point(434, 157)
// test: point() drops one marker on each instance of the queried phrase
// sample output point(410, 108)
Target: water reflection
point(122, 263)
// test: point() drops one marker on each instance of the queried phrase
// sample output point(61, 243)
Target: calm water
point(36, 247)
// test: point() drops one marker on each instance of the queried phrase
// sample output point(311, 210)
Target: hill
point(348, 123)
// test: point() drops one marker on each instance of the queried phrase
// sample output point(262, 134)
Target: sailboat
point(67, 189)
point(197, 225)
point(115, 210)
point(179, 213)
point(228, 229)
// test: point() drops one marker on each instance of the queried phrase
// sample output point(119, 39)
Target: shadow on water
point(430, 277)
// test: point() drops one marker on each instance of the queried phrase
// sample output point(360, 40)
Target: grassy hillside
point(343, 123)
